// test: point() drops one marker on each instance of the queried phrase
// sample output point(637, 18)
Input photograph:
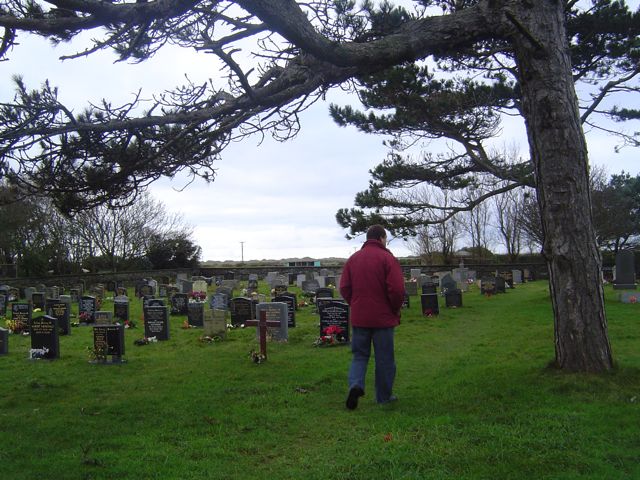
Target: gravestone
point(21, 313)
point(154, 285)
point(415, 273)
point(87, 309)
point(103, 317)
point(275, 312)
point(323, 292)
point(310, 286)
point(28, 293)
point(501, 284)
point(517, 276)
point(61, 310)
point(4, 341)
point(625, 271)
point(241, 309)
point(121, 308)
point(215, 323)
point(145, 290)
point(279, 289)
point(74, 293)
point(300, 279)
point(453, 298)
point(179, 304)
point(156, 302)
point(109, 341)
point(429, 304)
point(156, 322)
point(447, 283)
point(199, 286)
point(163, 290)
point(219, 301)
point(429, 288)
point(14, 294)
point(38, 300)
point(44, 335)
point(3, 305)
point(508, 278)
point(488, 286)
point(225, 291)
point(293, 297)
point(335, 313)
point(406, 303)
point(195, 313)
point(291, 308)
point(252, 285)
point(411, 288)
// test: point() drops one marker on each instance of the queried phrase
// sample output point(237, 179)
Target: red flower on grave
point(428, 312)
point(333, 330)
point(633, 299)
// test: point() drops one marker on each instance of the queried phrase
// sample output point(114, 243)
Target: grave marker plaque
point(335, 313)
point(109, 340)
point(4, 341)
point(310, 286)
point(488, 286)
point(429, 288)
point(625, 271)
point(3, 305)
point(44, 337)
point(156, 323)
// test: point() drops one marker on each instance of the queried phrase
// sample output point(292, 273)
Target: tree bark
point(559, 153)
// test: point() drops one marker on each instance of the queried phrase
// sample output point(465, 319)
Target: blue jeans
point(382, 338)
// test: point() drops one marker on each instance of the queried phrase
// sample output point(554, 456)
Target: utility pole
point(242, 252)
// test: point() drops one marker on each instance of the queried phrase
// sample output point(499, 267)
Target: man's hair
point(376, 232)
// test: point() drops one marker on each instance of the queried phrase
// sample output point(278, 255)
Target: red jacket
point(373, 285)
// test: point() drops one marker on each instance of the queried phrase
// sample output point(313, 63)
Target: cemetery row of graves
point(215, 306)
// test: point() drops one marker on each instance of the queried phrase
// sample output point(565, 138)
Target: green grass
point(476, 402)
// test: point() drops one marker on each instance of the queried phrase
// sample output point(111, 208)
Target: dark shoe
point(352, 398)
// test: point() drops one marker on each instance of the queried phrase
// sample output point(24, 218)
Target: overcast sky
point(279, 199)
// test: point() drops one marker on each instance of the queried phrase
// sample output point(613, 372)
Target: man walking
point(373, 286)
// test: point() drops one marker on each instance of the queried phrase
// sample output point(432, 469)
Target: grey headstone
point(276, 311)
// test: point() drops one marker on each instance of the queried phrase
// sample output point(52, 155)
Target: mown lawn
point(477, 401)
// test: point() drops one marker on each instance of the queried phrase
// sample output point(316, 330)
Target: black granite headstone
point(45, 340)
point(109, 340)
point(291, 308)
point(429, 303)
point(4, 341)
point(241, 310)
point(156, 323)
point(195, 314)
point(453, 298)
point(179, 304)
point(62, 311)
point(87, 309)
point(335, 313)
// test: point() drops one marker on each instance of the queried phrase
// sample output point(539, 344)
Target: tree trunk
point(559, 153)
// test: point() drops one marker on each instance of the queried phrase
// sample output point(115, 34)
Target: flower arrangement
point(16, 326)
point(185, 325)
point(332, 335)
point(197, 296)
point(97, 354)
point(38, 353)
point(257, 357)
point(129, 324)
point(84, 317)
point(210, 339)
point(145, 341)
